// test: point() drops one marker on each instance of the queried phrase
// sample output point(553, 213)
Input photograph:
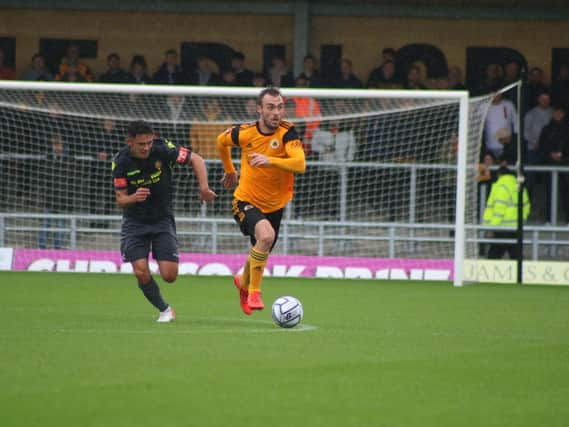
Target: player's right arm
point(125, 200)
point(225, 141)
point(120, 183)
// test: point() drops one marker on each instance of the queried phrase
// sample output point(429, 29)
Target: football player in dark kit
point(142, 173)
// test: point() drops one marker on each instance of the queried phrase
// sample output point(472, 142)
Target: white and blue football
point(287, 312)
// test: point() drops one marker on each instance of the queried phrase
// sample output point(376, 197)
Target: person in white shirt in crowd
point(499, 128)
point(335, 142)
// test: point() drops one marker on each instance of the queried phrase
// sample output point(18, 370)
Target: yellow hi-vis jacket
point(502, 205)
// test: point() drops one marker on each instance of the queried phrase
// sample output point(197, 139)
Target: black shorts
point(247, 216)
point(137, 238)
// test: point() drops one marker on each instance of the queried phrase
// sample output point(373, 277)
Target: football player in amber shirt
point(271, 153)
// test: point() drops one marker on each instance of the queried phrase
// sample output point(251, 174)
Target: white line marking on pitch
point(193, 328)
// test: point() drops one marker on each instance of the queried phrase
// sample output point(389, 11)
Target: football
point(287, 312)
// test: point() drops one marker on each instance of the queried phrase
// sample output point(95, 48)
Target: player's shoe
point(243, 294)
point(167, 315)
point(254, 301)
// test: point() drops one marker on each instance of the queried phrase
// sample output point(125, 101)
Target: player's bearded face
point(272, 111)
point(140, 145)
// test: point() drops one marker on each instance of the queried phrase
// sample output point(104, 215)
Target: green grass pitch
point(85, 350)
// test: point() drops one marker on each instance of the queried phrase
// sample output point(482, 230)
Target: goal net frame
point(460, 97)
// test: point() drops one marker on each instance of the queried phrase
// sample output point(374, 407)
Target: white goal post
point(391, 173)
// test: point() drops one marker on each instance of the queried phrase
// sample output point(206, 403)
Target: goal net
point(391, 175)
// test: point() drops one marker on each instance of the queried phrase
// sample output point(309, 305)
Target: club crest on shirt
point(158, 164)
point(274, 144)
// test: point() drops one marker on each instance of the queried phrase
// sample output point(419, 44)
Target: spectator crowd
point(543, 110)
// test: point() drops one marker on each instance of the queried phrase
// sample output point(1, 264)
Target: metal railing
point(540, 239)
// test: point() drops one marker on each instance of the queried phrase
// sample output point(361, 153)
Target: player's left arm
point(198, 165)
point(294, 162)
point(182, 155)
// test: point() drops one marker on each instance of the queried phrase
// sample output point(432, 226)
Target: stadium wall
point(534, 40)
point(143, 33)
point(151, 34)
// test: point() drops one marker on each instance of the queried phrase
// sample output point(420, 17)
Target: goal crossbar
point(407, 117)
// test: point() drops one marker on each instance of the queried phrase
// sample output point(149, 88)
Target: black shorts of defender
point(247, 216)
point(138, 238)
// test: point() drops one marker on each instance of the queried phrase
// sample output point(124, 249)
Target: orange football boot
point(254, 301)
point(243, 294)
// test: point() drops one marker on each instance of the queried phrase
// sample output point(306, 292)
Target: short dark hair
point(273, 91)
point(138, 127)
point(138, 60)
point(113, 55)
point(239, 55)
point(490, 154)
point(504, 170)
point(388, 50)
